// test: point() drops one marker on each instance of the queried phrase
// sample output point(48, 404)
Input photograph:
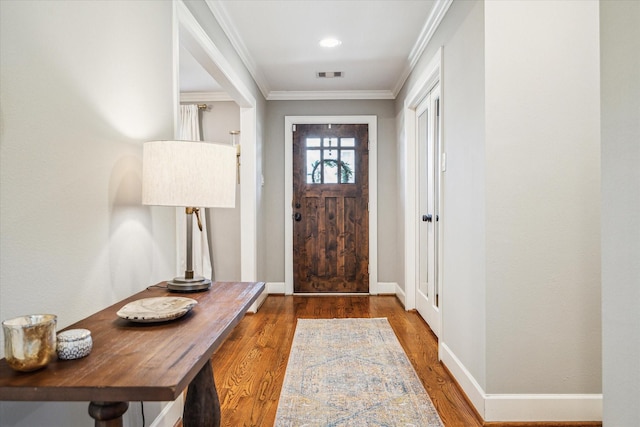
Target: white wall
point(620, 96)
point(83, 84)
point(542, 197)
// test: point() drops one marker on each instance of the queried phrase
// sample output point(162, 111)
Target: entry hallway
point(249, 367)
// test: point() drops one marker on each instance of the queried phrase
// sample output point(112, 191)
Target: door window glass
point(330, 160)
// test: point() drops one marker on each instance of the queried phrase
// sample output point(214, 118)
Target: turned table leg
point(108, 414)
point(202, 407)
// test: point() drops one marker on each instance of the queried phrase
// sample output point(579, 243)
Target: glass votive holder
point(29, 341)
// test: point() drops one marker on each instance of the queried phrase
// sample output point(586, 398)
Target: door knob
point(297, 216)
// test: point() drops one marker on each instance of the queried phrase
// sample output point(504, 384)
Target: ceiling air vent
point(328, 74)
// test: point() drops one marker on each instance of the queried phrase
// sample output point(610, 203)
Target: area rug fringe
point(351, 372)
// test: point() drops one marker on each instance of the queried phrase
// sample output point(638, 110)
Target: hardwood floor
point(249, 367)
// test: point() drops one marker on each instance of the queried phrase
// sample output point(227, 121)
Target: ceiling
point(278, 41)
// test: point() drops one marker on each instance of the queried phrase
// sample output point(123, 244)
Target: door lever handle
point(427, 218)
point(297, 217)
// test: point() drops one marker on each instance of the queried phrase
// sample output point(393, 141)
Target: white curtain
point(190, 131)
point(189, 123)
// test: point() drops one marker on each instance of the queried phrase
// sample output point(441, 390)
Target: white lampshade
point(189, 174)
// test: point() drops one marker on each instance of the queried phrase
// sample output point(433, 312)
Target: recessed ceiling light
point(330, 42)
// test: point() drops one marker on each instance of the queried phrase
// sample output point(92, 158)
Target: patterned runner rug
point(351, 372)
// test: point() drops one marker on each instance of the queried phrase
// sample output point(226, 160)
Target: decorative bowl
point(74, 344)
point(156, 309)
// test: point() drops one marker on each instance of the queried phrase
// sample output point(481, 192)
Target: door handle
point(297, 217)
point(427, 218)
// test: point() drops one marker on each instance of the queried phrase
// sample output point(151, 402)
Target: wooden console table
point(142, 361)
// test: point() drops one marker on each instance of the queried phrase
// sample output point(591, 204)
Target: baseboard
point(386, 288)
point(401, 295)
point(543, 407)
point(463, 377)
point(269, 288)
point(276, 288)
point(383, 288)
point(522, 407)
point(170, 414)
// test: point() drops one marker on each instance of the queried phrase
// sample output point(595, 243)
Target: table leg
point(108, 414)
point(202, 407)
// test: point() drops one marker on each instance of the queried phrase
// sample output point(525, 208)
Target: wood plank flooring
point(249, 367)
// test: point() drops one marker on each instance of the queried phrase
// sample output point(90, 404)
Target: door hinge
point(293, 127)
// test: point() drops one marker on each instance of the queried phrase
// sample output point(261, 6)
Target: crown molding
point(197, 41)
point(204, 97)
point(222, 16)
point(219, 11)
point(440, 8)
point(329, 95)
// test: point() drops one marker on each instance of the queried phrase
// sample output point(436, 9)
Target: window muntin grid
point(330, 160)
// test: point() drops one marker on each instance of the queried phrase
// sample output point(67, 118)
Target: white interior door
point(428, 132)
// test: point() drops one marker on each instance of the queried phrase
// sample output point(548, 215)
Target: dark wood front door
point(330, 199)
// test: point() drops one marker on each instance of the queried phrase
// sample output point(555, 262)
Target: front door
point(428, 300)
point(330, 199)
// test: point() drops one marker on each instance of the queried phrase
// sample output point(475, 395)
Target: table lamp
point(190, 174)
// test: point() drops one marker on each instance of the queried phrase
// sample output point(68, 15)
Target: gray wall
point(464, 191)
point(223, 224)
point(274, 177)
point(542, 154)
point(461, 34)
point(620, 97)
point(521, 289)
point(83, 85)
point(97, 244)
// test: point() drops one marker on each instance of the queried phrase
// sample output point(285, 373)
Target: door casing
point(431, 74)
point(429, 190)
point(372, 122)
point(189, 33)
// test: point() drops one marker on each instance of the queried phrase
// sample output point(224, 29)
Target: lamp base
point(181, 284)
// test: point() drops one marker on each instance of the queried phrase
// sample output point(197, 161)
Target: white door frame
point(429, 188)
point(431, 74)
point(289, 121)
point(192, 36)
